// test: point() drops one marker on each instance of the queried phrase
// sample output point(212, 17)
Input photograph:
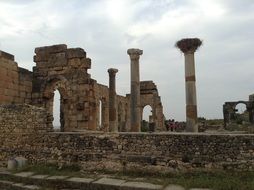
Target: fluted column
point(112, 100)
point(188, 47)
point(135, 90)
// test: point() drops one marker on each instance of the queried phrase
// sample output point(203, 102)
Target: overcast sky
point(105, 29)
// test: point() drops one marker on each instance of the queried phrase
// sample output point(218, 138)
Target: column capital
point(134, 53)
point(112, 71)
point(188, 45)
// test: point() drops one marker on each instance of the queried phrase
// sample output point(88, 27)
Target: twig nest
point(188, 44)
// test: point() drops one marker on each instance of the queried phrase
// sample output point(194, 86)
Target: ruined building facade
point(84, 104)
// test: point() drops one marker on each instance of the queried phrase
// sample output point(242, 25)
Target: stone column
point(112, 100)
point(135, 90)
point(188, 47)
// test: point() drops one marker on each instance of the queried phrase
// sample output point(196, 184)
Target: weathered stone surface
point(24, 174)
point(135, 114)
point(140, 186)
point(174, 187)
point(80, 180)
point(22, 118)
point(75, 53)
point(6, 55)
point(55, 177)
point(51, 49)
point(107, 183)
point(39, 176)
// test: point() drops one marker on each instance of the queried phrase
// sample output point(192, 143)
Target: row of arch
point(146, 114)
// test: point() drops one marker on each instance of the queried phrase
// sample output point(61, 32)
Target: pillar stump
point(188, 47)
point(135, 114)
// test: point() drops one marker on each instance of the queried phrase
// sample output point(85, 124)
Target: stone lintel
point(6, 55)
point(188, 45)
point(51, 49)
point(134, 53)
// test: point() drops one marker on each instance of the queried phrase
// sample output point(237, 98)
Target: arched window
point(240, 108)
point(100, 114)
point(241, 114)
point(56, 111)
point(147, 118)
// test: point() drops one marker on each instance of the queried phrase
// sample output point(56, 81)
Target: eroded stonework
point(84, 104)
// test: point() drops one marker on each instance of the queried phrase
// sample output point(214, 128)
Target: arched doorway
point(147, 119)
point(56, 111)
point(100, 115)
point(241, 115)
point(56, 103)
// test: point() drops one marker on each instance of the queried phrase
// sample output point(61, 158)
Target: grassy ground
point(217, 180)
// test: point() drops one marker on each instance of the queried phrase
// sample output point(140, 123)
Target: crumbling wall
point(15, 82)
point(65, 69)
point(149, 96)
point(154, 152)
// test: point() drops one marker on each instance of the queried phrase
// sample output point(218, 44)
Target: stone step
point(9, 185)
point(29, 180)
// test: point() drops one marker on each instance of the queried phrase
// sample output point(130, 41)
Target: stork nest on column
point(188, 44)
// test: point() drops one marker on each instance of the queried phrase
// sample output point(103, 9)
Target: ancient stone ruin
point(229, 110)
point(66, 70)
point(115, 143)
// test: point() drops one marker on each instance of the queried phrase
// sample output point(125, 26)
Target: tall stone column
point(135, 90)
point(112, 100)
point(188, 47)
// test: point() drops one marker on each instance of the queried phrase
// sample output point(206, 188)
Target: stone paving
point(32, 181)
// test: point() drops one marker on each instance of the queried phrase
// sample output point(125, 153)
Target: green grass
point(51, 169)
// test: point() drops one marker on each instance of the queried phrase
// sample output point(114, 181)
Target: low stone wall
point(133, 151)
point(22, 118)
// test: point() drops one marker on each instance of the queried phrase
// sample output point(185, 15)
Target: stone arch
point(229, 111)
point(102, 114)
point(149, 96)
point(61, 84)
point(148, 124)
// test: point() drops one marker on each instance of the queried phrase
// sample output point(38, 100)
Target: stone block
point(80, 183)
point(39, 176)
point(140, 186)
point(22, 162)
point(12, 164)
point(75, 53)
point(57, 177)
point(32, 187)
point(24, 174)
point(6, 55)
point(107, 183)
point(174, 187)
point(51, 49)
point(86, 63)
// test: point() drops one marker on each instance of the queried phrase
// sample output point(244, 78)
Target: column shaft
point(112, 101)
point(190, 88)
point(135, 114)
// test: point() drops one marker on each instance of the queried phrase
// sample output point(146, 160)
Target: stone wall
point(15, 82)
point(22, 118)
point(151, 152)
